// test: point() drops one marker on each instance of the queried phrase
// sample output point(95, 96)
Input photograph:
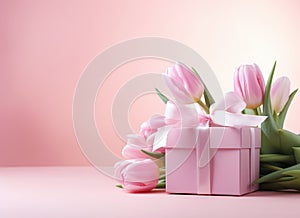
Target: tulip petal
point(191, 82)
point(179, 94)
point(131, 151)
point(140, 176)
point(279, 94)
point(184, 85)
point(119, 167)
point(134, 145)
point(283, 113)
point(249, 84)
point(209, 100)
point(137, 175)
point(260, 78)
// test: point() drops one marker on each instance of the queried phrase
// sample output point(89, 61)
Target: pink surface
point(60, 192)
point(45, 45)
point(194, 166)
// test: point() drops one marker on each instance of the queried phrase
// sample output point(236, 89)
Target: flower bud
point(250, 85)
point(279, 94)
point(137, 175)
point(185, 86)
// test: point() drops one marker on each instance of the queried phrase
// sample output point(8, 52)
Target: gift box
point(212, 160)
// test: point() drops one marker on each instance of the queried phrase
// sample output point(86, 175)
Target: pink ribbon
point(227, 112)
point(205, 152)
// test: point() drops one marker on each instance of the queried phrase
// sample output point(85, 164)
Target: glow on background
point(45, 45)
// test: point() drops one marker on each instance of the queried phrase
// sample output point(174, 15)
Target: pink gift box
point(214, 160)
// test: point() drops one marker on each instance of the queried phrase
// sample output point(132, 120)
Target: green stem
point(205, 108)
point(255, 111)
point(161, 185)
point(259, 112)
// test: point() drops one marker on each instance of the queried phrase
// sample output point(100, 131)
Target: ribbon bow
point(227, 112)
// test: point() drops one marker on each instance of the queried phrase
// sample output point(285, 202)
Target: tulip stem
point(255, 111)
point(258, 111)
point(119, 186)
point(205, 108)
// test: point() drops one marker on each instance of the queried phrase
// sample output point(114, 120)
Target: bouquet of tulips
point(250, 103)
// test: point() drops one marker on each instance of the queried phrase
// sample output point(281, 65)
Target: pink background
point(45, 46)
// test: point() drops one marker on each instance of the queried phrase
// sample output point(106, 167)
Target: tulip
point(144, 140)
point(250, 85)
point(135, 143)
point(185, 86)
point(137, 175)
point(279, 94)
point(150, 126)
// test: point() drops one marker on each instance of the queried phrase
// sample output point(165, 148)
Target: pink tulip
point(185, 86)
point(144, 140)
point(135, 143)
point(150, 126)
point(250, 85)
point(279, 94)
point(139, 175)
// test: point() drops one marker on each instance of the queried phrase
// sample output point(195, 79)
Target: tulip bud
point(185, 86)
point(137, 175)
point(279, 94)
point(135, 143)
point(150, 126)
point(250, 85)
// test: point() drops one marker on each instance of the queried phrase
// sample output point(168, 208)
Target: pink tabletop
point(84, 192)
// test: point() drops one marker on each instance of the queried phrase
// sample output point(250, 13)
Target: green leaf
point(288, 140)
point(267, 102)
point(295, 183)
point(270, 167)
point(285, 178)
point(153, 154)
point(297, 154)
point(276, 175)
point(269, 158)
point(162, 96)
point(290, 180)
point(271, 186)
point(269, 135)
point(283, 113)
point(209, 100)
point(119, 186)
